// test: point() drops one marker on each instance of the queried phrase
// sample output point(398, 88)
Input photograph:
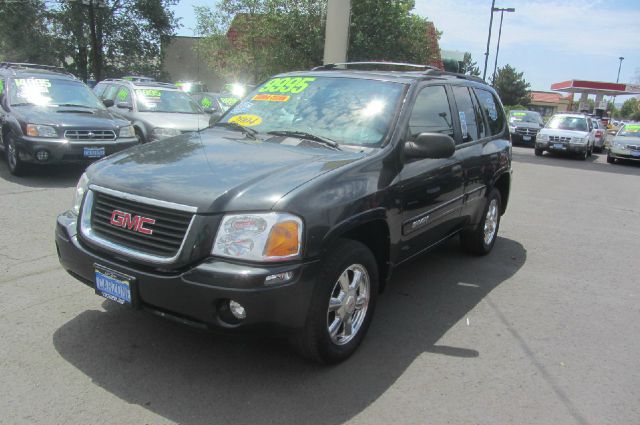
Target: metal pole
point(336, 36)
point(619, 67)
point(613, 103)
point(495, 64)
point(486, 53)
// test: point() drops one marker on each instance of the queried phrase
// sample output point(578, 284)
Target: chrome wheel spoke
point(348, 326)
point(347, 304)
point(361, 301)
point(334, 327)
point(344, 281)
point(357, 275)
point(334, 304)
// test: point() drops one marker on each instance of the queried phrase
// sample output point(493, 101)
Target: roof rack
point(22, 65)
point(346, 65)
point(438, 72)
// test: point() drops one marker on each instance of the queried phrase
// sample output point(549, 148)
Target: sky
point(549, 40)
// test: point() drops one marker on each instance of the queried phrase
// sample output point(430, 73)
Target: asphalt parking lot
point(544, 330)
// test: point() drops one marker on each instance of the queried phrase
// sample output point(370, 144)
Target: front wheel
point(538, 152)
point(610, 159)
point(16, 166)
point(342, 305)
point(481, 239)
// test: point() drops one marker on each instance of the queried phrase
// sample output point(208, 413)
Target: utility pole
point(96, 41)
point(337, 31)
point(501, 10)
point(486, 54)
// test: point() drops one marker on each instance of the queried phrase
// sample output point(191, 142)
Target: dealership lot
point(543, 330)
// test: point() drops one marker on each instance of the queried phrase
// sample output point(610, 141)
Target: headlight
point(81, 189)
point(542, 137)
point(162, 133)
point(619, 145)
point(39, 130)
point(127, 131)
point(579, 140)
point(259, 237)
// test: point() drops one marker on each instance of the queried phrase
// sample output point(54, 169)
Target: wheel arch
point(503, 184)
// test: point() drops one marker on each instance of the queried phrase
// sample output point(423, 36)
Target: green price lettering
point(286, 85)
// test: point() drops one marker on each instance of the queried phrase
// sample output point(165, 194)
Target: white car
point(626, 144)
point(568, 133)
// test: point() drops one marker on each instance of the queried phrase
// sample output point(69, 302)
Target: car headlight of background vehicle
point(127, 131)
point(39, 130)
point(542, 137)
point(619, 145)
point(579, 140)
point(81, 189)
point(259, 237)
point(163, 133)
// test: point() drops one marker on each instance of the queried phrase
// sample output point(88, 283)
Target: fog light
point(237, 310)
point(278, 278)
point(42, 156)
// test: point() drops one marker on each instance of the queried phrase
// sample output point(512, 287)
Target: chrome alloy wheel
point(491, 222)
point(348, 304)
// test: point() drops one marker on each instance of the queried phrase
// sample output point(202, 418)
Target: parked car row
point(568, 133)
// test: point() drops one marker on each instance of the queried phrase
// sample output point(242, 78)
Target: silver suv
point(568, 133)
point(157, 110)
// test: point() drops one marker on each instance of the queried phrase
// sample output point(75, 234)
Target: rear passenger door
point(431, 189)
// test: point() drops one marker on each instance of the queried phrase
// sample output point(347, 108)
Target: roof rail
point(437, 72)
point(346, 65)
point(34, 66)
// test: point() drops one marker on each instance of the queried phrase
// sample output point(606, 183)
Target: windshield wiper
point(307, 136)
point(23, 104)
point(250, 132)
point(74, 105)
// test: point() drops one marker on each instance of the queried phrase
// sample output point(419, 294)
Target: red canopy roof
point(596, 87)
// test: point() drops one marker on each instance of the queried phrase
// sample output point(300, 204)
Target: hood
point(69, 117)
point(563, 133)
point(216, 170)
point(524, 124)
point(627, 140)
point(182, 122)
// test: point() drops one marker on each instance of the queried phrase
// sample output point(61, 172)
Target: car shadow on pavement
point(192, 377)
point(44, 176)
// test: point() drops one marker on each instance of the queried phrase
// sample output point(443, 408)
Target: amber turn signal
point(283, 240)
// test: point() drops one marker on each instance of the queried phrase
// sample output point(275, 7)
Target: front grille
point(525, 131)
point(169, 229)
point(560, 139)
point(90, 135)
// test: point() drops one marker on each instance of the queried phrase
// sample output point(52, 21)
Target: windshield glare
point(630, 130)
point(523, 116)
point(568, 123)
point(156, 100)
point(346, 110)
point(52, 92)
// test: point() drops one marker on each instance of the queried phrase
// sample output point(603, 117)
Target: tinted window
point(564, 122)
point(99, 89)
point(110, 92)
point(466, 113)
point(157, 100)
point(479, 118)
point(492, 110)
point(431, 112)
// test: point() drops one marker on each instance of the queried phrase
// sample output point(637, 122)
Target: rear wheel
point(610, 159)
point(15, 164)
point(342, 305)
point(538, 152)
point(481, 239)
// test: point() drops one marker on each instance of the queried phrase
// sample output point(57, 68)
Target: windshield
point(157, 100)
point(630, 130)
point(563, 122)
point(346, 110)
point(524, 116)
point(52, 92)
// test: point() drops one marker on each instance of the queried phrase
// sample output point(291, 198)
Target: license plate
point(558, 146)
point(93, 152)
point(635, 153)
point(113, 285)
point(526, 138)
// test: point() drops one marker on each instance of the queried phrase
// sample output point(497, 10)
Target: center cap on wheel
point(350, 304)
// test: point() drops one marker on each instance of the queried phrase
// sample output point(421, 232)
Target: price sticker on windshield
point(287, 85)
point(632, 128)
point(33, 84)
point(246, 120)
point(149, 92)
point(271, 97)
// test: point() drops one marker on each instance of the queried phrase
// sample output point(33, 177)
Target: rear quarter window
point(492, 110)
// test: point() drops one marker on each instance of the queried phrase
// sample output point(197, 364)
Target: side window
point(466, 113)
point(123, 94)
point(492, 110)
point(110, 92)
point(431, 112)
point(482, 131)
point(99, 89)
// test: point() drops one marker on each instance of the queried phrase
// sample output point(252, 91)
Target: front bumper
point(64, 151)
point(523, 138)
point(627, 154)
point(198, 295)
point(568, 148)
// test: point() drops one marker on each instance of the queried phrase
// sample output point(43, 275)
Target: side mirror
point(108, 102)
point(124, 105)
point(430, 145)
point(214, 116)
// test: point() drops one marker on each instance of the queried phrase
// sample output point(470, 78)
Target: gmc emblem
point(135, 223)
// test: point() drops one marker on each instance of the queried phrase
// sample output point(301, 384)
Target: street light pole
point(613, 103)
point(501, 10)
point(619, 67)
point(486, 54)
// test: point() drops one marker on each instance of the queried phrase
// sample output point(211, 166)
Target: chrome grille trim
point(90, 135)
point(526, 131)
point(560, 139)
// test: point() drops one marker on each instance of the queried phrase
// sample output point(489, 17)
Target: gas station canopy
point(596, 87)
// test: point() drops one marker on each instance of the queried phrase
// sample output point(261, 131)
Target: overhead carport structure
point(597, 88)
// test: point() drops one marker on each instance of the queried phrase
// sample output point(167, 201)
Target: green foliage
point(469, 66)
point(24, 32)
point(512, 87)
point(630, 109)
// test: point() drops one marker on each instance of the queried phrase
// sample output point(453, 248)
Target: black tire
point(538, 152)
point(473, 241)
point(584, 155)
point(590, 151)
point(610, 159)
point(314, 340)
point(15, 164)
point(140, 136)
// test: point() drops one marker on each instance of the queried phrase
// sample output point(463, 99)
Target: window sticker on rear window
point(271, 97)
point(246, 120)
point(491, 108)
point(122, 95)
point(463, 124)
point(287, 85)
point(206, 103)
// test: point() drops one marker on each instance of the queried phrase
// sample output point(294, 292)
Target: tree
point(24, 35)
point(469, 66)
point(630, 107)
point(511, 86)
